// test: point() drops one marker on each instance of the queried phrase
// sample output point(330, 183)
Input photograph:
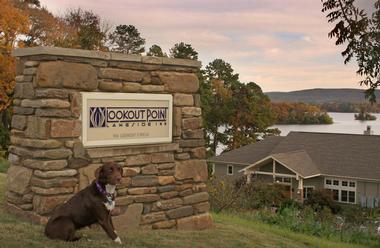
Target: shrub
point(354, 214)
point(322, 198)
point(223, 195)
point(5, 117)
point(316, 217)
point(242, 196)
point(322, 223)
point(262, 195)
point(4, 138)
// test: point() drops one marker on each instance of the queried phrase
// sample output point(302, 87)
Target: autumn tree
point(46, 29)
point(77, 28)
point(216, 99)
point(88, 30)
point(251, 116)
point(13, 22)
point(235, 114)
point(156, 51)
point(183, 51)
point(359, 32)
point(127, 39)
point(220, 69)
point(300, 113)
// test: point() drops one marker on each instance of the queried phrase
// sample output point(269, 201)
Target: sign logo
point(97, 117)
point(127, 116)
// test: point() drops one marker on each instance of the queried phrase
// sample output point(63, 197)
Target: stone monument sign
point(76, 109)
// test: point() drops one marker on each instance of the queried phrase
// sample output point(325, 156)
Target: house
point(346, 164)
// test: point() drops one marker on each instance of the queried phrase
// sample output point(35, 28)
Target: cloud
point(307, 38)
point(281, 44)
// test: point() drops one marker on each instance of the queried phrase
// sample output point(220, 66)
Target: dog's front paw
point(118, 240)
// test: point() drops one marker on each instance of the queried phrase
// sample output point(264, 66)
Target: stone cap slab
point(112, 56)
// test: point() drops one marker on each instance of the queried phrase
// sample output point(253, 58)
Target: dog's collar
point(100, 188)
point(110, 197)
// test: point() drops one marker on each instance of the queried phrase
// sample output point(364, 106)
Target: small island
point(363, 116)
point(300, 113)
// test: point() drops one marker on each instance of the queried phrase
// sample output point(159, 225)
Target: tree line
point(349, 107)
point(300, 113)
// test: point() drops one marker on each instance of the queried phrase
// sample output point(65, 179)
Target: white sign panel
point(110, 119)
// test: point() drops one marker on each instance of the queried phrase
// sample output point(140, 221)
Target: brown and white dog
point(89, 206)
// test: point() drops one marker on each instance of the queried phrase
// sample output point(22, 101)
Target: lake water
point(343, 123)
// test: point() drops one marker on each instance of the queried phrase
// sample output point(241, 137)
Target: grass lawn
point(4, 165)
point(229, 231)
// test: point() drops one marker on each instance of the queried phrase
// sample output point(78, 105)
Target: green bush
point(317, 217)
point(5, 119)
point(223, 195)
point(240, 196)
point(4, 138)
point(320, 199)
point(304, 220)
point(258, 195)
point(321, 224)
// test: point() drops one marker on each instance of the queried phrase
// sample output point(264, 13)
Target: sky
point(282, 45)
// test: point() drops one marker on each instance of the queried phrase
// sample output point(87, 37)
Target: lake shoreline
point(342, 123)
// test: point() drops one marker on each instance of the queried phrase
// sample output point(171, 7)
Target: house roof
point(345, 155)
point(249, 154)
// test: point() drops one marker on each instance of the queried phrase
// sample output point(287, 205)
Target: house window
point(283, 180)
point(343, 190)
point(344, 196)
point(278, 179)
point(351, 197)
point(287, 180)
point(230, 170)
point(307, 191)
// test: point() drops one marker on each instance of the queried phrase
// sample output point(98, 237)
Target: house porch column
point(249, 176)
point(300, 189)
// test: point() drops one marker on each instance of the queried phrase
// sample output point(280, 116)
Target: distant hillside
point(321, 96)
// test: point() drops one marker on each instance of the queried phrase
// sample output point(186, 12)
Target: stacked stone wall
point(163, 184)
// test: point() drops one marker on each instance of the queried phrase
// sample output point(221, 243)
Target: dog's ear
point(99, 174)
point(121, 170)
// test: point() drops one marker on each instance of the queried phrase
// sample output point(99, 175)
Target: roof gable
point(298, 162)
